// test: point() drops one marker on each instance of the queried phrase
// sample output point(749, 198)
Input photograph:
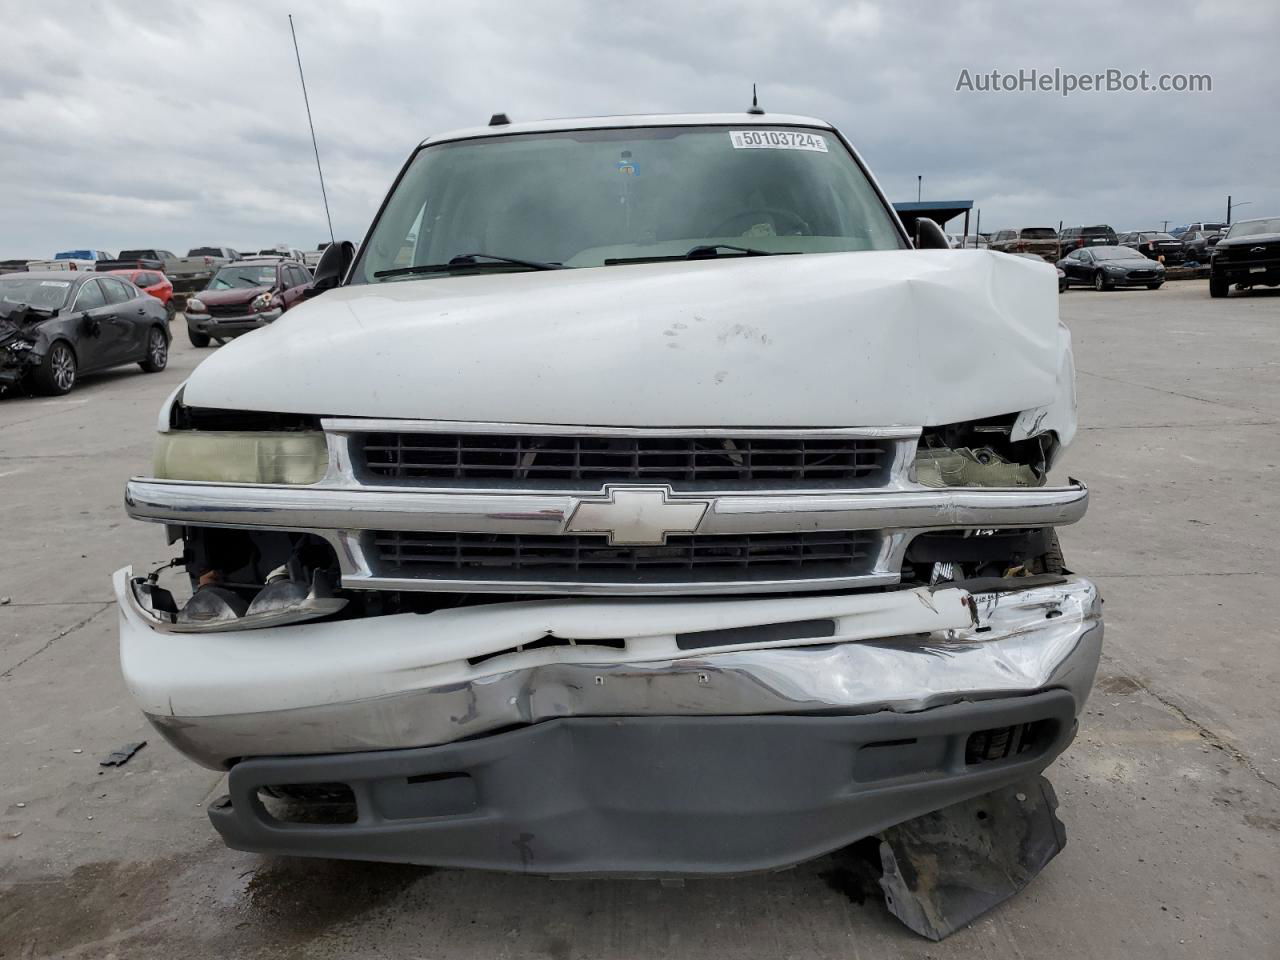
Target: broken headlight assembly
point(982, 454)
point(262, 303)
point(243, 580)
point(195, 305)
point(229, 456)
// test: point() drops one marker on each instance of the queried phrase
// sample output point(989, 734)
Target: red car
point(153, 282)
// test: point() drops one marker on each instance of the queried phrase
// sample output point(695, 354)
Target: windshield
point(204, 252)
point(1254, 228)
point(74, 255)
point(42, 294)
point(243, 276)
point(1039, 233)
point(590, 197)
point(1097, 232)
point(1115, 253)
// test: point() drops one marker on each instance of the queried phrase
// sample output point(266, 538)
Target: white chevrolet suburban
point(640, 500)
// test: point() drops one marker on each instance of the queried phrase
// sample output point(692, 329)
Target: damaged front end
point(628, 652)
point(20, 341)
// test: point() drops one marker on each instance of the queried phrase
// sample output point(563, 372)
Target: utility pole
point(1165, 228)
point(1231, 206)
point(919, 186)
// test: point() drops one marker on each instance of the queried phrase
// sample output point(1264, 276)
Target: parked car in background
point(71, 260)
point(974, 242)
point(1042, 241)
point(243, 296)
point(194, 271)
point(280, 250)
point(1062, 277)
point(150, 258)
point(1199, 244)
point(1247, 255)
point(1200, 226)
point(1072, 238)
point(1105, 268)
point(155, 283)
point(1155, 245)
point(14, 266)
point(56, 326)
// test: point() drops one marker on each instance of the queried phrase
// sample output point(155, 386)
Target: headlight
point(261, 303)
point(1113, 268)
point(196, 306)
point(241, 457)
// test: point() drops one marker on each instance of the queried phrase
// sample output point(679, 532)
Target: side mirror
point(929, 236)
point(333, 266)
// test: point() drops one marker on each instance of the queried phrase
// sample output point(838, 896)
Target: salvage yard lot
point(1170, 796)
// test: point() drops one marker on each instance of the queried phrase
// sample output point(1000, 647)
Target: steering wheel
point(730, 227)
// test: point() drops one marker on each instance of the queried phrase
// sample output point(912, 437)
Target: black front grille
point(695, 557)
point(229, 310)
point(1142, 274)
point(531, 460)
point(1250, 253)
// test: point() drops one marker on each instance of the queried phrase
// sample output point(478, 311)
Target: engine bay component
point(967, 467)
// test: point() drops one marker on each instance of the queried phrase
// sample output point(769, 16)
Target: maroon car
point(243, 296)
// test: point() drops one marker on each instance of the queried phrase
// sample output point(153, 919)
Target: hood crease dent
point(892, 338)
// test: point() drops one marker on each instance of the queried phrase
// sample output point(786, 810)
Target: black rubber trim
point(646, 796)
point(764, 633)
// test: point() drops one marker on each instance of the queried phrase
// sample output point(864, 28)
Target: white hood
point(844, 339)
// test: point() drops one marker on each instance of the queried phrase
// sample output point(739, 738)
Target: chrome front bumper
point(415, 680)
point(343, 511)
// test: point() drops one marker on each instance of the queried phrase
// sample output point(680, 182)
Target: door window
point(117, 291)
point(90, 297)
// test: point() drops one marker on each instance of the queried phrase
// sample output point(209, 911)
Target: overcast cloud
point(172, 125)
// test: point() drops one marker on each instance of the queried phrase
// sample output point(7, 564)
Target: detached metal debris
point(945, 869)
point(122, 755)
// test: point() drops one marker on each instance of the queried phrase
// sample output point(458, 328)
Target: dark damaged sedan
point(243, 296)
point(1105, 268)
point(57, 325)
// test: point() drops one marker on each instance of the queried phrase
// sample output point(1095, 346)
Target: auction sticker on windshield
point(777, 140)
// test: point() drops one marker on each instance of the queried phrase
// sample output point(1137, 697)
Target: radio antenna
point(323, 195)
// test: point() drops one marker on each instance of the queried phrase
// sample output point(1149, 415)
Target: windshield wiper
point(469, 261)
point(703, 251)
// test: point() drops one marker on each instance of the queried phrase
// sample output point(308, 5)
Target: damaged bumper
point(652, 738)
point(230, 326)
point(412, 680)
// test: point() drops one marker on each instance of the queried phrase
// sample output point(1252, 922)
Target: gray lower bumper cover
point(649, 796)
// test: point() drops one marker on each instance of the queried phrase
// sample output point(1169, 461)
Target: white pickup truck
point(71, 260)
point(640, 500)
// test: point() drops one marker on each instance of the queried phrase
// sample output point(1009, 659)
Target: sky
point(177, 124)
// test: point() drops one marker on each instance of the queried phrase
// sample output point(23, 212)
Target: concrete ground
point(1171, 794)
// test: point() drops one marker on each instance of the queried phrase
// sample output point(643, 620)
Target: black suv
point(1248, 255)
point(1072, 238)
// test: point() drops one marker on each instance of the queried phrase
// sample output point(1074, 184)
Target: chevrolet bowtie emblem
point(637, 516)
